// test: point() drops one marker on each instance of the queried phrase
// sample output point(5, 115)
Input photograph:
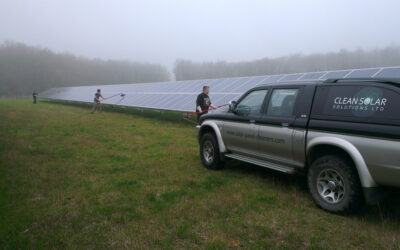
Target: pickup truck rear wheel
point(334, 184)
point(209, 152)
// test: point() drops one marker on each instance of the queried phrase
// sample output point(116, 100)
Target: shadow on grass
point(169, 116)
point(285, 180)
point(386, 212)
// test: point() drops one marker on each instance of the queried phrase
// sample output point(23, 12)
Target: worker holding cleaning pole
point(203, 103)
point(97, 103)
point(98, 98)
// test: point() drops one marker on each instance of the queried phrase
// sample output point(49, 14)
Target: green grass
point(129, 179)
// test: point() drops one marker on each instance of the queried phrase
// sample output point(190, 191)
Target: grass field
point(69, 179)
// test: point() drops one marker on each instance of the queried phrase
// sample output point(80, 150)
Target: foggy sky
point(161, 31)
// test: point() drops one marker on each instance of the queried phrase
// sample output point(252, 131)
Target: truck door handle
point(285, 125)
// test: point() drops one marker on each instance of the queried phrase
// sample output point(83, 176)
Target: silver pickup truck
point(344, 134)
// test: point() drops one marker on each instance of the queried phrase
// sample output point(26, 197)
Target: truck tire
point(209, 152)
point(334, 184)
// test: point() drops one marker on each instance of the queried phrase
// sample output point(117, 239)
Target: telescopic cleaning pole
point(119, 94)
point(207, 110)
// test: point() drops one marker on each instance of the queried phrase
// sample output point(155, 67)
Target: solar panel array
point(181, 95)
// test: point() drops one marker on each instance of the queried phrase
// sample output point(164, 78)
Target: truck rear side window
point(282, 102)
point(363, 103)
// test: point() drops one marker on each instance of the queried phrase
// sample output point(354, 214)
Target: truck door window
point(252, 103)
point(282, 102)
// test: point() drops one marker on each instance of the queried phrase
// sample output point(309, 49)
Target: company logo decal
point(357, 103)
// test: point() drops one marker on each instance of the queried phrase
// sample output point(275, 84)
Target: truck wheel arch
point(349, 149)
point(209, 126)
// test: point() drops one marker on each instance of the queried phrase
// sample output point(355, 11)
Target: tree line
point(297, 63)
point(24, 69)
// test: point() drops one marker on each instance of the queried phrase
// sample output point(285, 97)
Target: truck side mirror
point(232, 106)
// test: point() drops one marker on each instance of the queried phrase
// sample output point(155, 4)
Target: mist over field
point(49, 43)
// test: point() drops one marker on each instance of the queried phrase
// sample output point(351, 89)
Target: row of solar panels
point(181, 95)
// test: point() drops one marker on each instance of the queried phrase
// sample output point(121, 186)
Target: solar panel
point(336, 74)
point(181, 96)
point(272, 79)
point(227, 83)
point(250, 83)
point(292, 77)
point(181, 103)
point(185, 86)
point(239, 84)
point(363, 73)
point(388, 73)
point(312, 76)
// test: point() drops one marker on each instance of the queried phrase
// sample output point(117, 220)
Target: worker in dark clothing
point(97, 103)
point(35, 94)
point(203, 102)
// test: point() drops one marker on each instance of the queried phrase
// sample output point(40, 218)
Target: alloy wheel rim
point(330, 186)
point(208, 151)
